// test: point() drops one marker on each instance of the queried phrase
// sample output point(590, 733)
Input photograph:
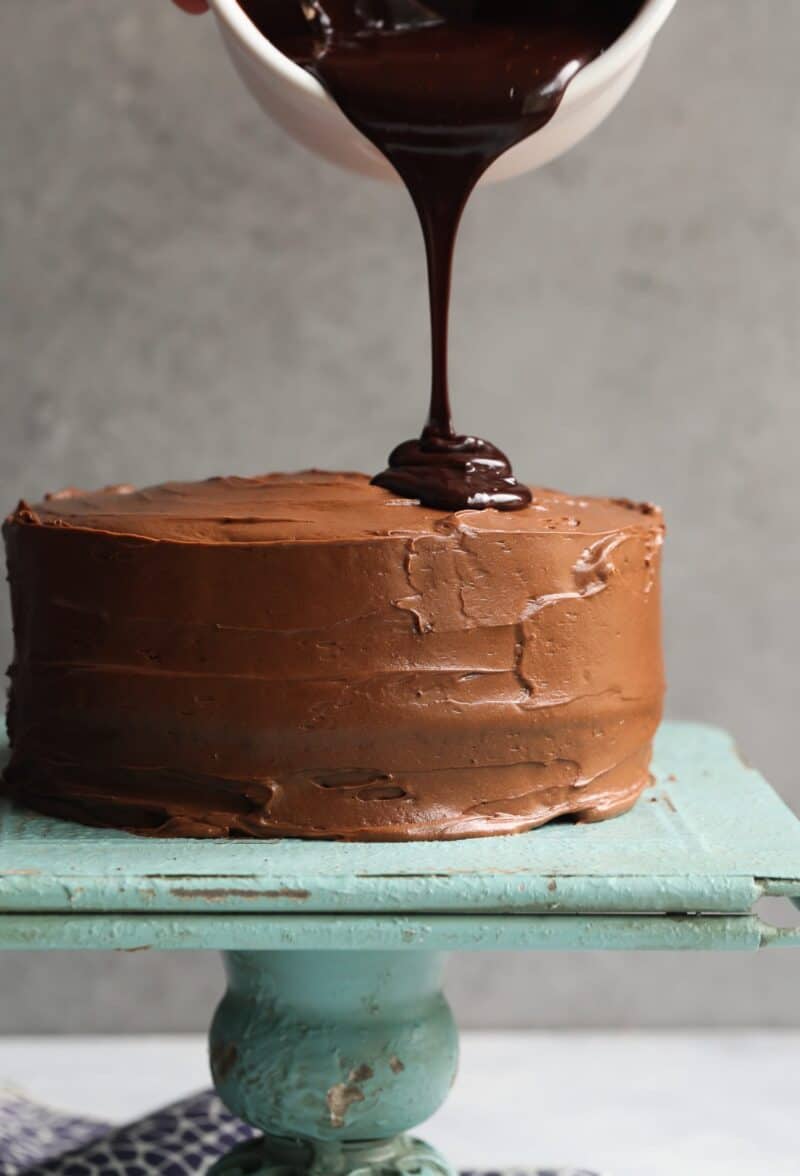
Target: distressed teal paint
point(781, 937)
point(324, 1050)
point(710, 837)
point(273, 1156)
point(329, 933)
point(343, 1046)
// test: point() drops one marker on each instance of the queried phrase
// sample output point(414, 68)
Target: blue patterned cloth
point(30, 1134)
point(181, 1140)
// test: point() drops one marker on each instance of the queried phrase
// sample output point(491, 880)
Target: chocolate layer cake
point(309, 656)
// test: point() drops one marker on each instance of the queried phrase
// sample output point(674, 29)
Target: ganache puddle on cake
point(443, 89)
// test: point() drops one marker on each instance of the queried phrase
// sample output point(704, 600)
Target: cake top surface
point(309, 506)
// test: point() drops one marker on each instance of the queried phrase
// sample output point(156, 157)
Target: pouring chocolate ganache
point(442, 89)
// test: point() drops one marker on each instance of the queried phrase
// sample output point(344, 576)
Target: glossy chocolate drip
point(447, 472)
point(443, 89)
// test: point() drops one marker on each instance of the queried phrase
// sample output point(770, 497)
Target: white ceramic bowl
point(298, 102)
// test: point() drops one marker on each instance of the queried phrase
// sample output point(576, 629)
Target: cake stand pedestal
point(334, 1037)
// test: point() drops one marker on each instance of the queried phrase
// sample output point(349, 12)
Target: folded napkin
point(181, 1140)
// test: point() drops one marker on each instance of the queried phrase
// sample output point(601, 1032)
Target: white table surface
point(643, 1104)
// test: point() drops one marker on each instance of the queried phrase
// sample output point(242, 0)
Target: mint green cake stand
point(334, 1037)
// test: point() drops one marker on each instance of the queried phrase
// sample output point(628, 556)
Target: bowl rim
point(596, 75)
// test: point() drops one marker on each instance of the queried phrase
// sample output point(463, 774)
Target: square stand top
point(683, 869)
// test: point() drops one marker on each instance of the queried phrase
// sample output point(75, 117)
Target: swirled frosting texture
point(305, 655)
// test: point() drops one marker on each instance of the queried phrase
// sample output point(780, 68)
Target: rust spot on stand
point(342, 1096)
point(221, 894)
point(742, 758)
point(223, 1058)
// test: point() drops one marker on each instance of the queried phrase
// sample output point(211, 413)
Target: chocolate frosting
point(307, 655)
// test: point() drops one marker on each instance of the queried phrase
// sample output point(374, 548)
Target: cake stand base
point(334, 1055)
point(269, 1156)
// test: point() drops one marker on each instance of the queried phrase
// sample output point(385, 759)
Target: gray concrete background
point(185, 293)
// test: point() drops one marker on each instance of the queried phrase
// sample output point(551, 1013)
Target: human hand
point(193, 6)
